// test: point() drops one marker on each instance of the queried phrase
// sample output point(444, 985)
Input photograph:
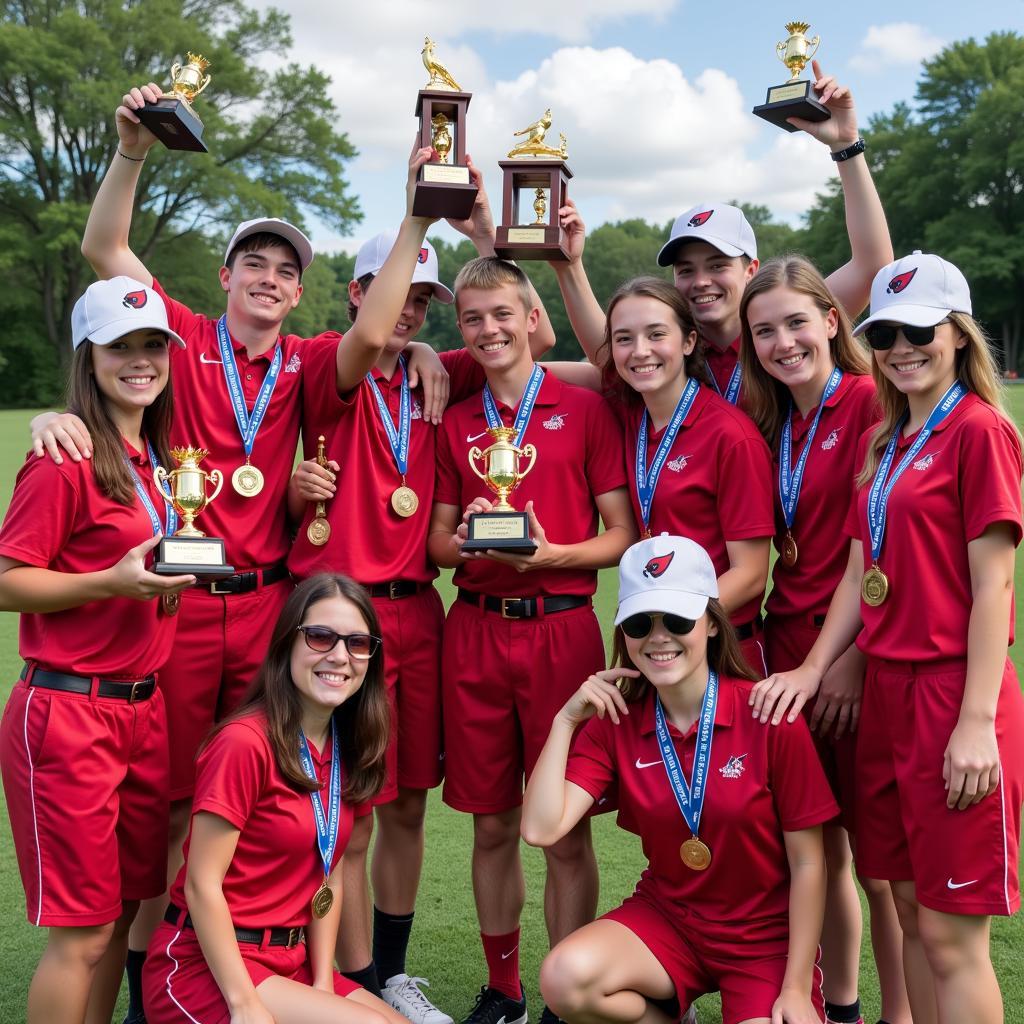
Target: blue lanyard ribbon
point(248, 423)
point(522, 420)
point(646, 482)
point(326, 824)
point(732, 389)
point(147, 503)
point(689, 797)
point(398, 439)
point(878, 496)
point(791, 479)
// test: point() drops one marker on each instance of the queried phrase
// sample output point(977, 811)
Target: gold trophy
point(190, 551)
point(171, 119)
point(319, 530)
point(503, 528)
point(794, 98)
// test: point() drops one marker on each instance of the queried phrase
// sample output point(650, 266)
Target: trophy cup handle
point(530, 452)
point(474, 454)
point(159, 476)
point(218, 479)
point(815, 42)
point(206, 82)
point(175, 68)
point(780, 51)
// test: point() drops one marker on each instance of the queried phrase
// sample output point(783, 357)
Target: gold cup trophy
point(503, 528)
point(189, 550)
point(171, 119)
point(794, 98)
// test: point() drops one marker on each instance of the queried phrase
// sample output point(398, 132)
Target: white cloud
point(898, 44)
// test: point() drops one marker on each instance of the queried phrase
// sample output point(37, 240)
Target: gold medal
point(323, 900)
point(247, 480)
point(171, 603)
point(318, 532)
point(789, 550)
point(874, 587)
point(695, 854)
point(404, 501)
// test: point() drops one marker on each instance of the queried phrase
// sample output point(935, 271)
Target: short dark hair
point(262, 240)
point(364, 282)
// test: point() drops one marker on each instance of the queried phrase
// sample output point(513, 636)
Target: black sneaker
point(494, 1007)
point(548, 1016)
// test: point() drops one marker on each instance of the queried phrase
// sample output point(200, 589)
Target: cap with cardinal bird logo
point(720, 225)
point(108, 310)
point(666, 574)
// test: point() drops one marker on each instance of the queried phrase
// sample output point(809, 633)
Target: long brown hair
point(725, 656)
point(663, 291)
point(113, 475)
point(975, 369)
point(766, 399)
point(363, 722)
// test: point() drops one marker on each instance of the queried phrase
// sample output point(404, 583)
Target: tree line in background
point(949, 168)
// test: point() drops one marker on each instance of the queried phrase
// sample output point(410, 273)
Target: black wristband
point(142, 159)
point(852, 150)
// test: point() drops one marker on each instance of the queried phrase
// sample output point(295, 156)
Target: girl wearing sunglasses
point(810, 392)
point(251, 927)
point(928, 593)
point(728, 810)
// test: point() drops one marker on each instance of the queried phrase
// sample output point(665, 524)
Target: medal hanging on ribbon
point(403, 499)
point(170, 602)
point(247, 480)
point(732, 389)
point(875, 586)
point(647, 481)
point(695, 854)
point(326, 822)
point(791, 477)
point(526, 403)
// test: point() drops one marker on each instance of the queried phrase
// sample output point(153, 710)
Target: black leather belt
point(287, 937)
point(396, 589)
point(523, 607)
point(245, 582)
point(751, 628)
point(119, 689)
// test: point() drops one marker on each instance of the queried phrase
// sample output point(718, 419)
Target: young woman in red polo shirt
point(83, 743)
point(809, 390)
point(728, 810)
point(250, 931)
point(928, 593)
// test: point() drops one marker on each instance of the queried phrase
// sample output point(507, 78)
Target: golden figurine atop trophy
point(319, 530)
point(171, 119)
point(794, 98)
point(503, 528)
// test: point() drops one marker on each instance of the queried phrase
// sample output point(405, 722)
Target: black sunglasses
point(882, 337)
point(322, 640)
point(636, 627)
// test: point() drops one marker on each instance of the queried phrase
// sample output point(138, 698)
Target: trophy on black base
point(171, 119)
point(794, 98)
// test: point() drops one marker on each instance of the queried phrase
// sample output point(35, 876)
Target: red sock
point(502, 954)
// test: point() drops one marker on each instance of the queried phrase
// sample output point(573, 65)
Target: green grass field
point(445, 944)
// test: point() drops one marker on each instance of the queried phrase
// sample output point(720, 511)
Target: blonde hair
point(766, 399)
point(489, 273)
point(975, 368)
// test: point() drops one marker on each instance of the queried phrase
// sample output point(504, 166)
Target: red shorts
point(412, 628)
point(86, 785)
point(753, 649)
point(504, 681)
point(961, 862)
point(220, 643)
point(746, 961)
point(177, 986)
point(788, 641)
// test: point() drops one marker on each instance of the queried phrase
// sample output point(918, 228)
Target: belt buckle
point(294, 937)
point(505, 602)
point(393, 594)
point(215, 586)
point(132, 698)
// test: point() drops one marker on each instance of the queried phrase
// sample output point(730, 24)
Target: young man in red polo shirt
point(523, 628)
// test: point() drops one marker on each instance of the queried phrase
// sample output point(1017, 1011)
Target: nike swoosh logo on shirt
point(214, 362)
point(647, 764)
point(959, 885)
point(475, 437)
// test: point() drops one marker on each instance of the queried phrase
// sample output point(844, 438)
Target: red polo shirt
point(763, 780)
point(715, 485)
point(806, 588)
point(579, 455)
point(966, 478)
point(370, 541)
point(59, 519)
point(255, 530)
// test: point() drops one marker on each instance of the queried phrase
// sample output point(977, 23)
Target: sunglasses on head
point(323, 640)
point(882, 337)
point(636, 627)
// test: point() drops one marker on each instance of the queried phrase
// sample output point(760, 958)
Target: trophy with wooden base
point(794, 98)
point(171, 119)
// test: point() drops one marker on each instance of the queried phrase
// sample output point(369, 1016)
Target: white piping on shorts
point(1006, 859)
point(32, 799)
point(171, 956)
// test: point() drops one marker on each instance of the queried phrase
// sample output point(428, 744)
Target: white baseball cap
point(372, 254)
point(719, 224)
point(273, 226)
point(921, 289)
point(109, 310)
point(666, 574)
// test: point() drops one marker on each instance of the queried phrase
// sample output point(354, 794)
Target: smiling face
point(410, 321)
point(923, 372)
point(131, 372)
point(668, 660)
point(495, 326)
point(712, 284)
point(263, 286)
point(648, 346)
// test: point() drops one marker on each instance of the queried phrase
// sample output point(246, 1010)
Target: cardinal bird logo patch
point(422, 258)
point(135, 300)
point(699, 219)
point(733, 768)
point(657, 566)
point(900, 282)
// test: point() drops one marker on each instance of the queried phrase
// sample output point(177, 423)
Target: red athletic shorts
point(745, 961)
point(504, 680)
point(753, 649)
point(220, 643)
point(86, 784)
point(412, 628)
point(961, 862)
point(177, 986)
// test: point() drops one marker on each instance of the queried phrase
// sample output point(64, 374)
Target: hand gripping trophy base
point(794, 98)
point(171, 119)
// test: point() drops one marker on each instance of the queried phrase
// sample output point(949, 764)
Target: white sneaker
point(403, 994)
